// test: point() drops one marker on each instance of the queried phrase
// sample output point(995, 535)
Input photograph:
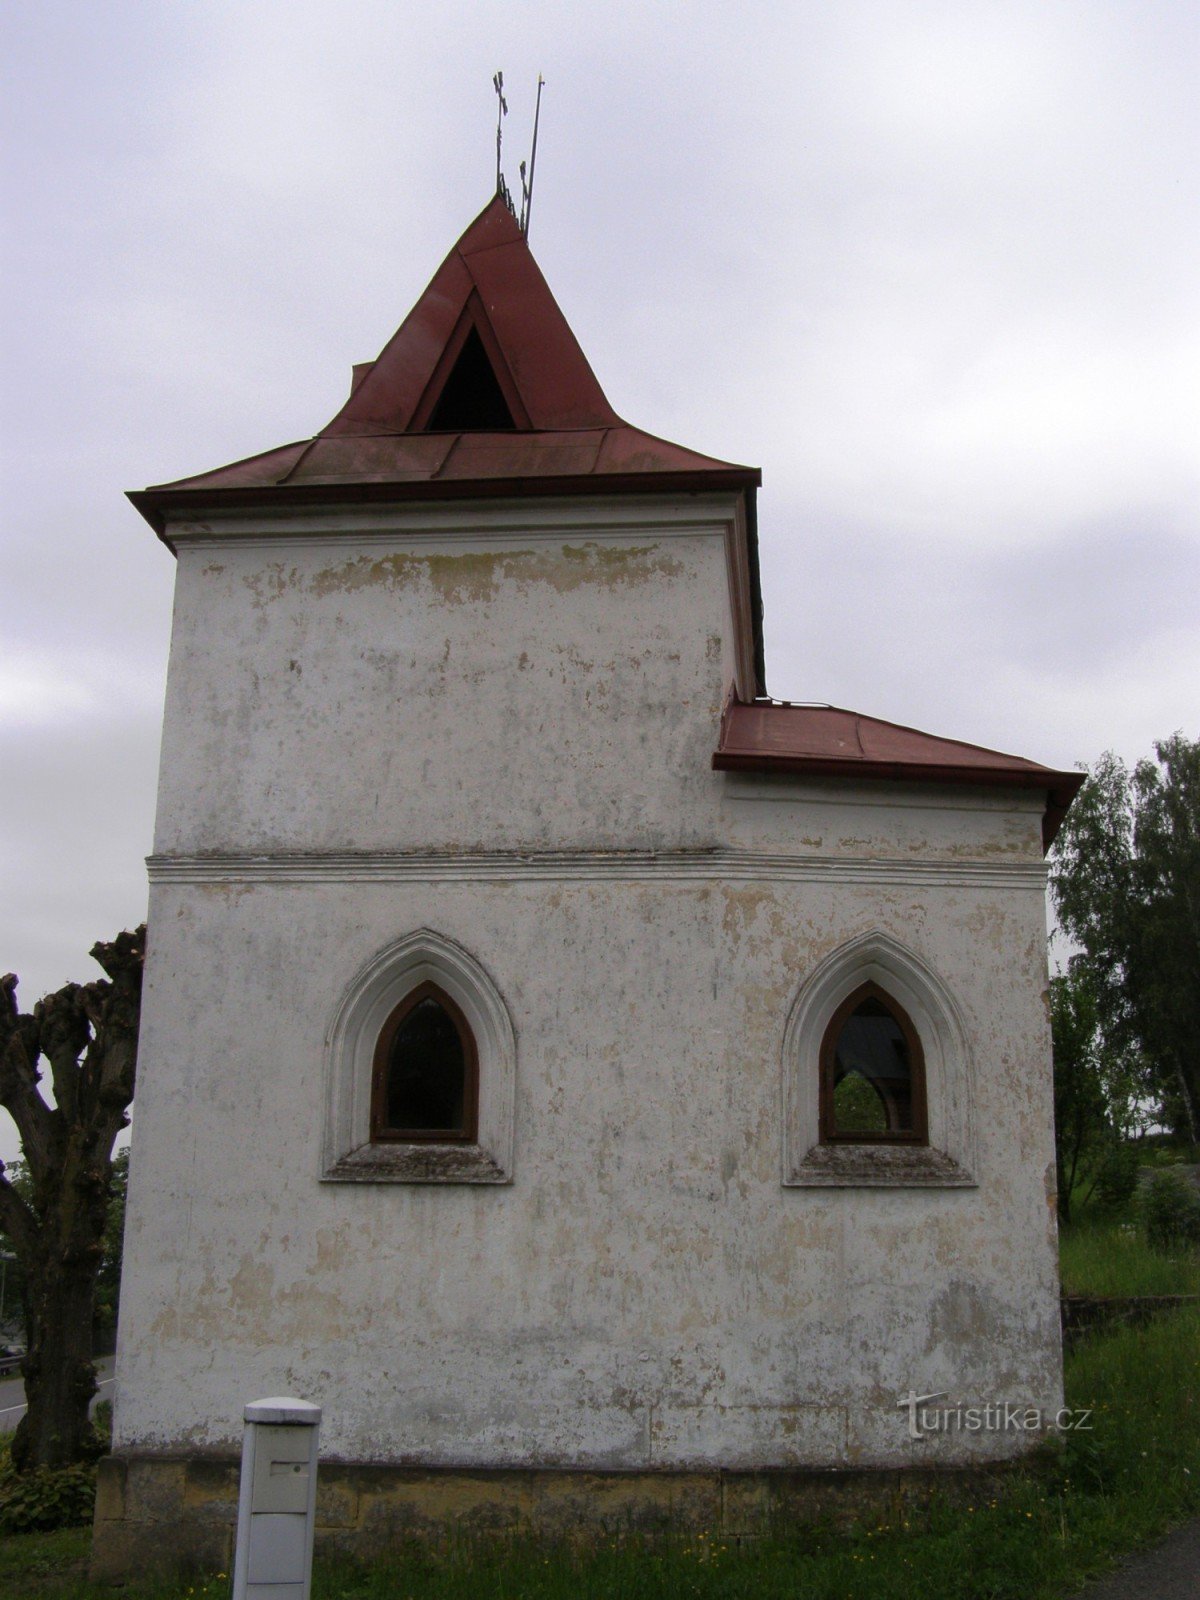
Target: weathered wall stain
point(645, 1293)
point(475, 576)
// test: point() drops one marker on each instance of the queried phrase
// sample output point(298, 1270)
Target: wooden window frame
point(381, 1133)
point(918, 1134)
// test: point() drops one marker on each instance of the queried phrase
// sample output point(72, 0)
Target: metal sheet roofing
point(565, 437)
point(827, 741)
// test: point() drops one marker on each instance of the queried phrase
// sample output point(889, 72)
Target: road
point(12, 1394)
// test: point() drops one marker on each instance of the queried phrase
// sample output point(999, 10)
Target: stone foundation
point(167, 1514)
point(1083, 1314)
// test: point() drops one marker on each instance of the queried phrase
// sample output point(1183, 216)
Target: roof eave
point(157, 505)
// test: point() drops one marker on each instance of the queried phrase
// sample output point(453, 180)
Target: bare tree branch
point(20, 1047)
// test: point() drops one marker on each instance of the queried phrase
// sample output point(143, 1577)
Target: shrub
point(47, 1498)
point(1170, 1211)
point(1117, 1177)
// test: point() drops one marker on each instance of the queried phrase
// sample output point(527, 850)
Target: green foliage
point(1170, 1212)
point(1102, 1256)
point(858, 1107)
point(1096, 1093)
point(1125, 878)
point(102, 1419)
point(46, 1498)
point(1116, 1176)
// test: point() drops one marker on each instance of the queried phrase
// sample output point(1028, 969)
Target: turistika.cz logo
point(994, 1416)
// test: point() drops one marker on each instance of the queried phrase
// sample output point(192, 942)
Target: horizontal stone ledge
point(704, 865)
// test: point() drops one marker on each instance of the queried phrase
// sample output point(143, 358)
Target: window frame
point(381, 1132)
point(908, 979)
point(918, 1134)
point(385, 982)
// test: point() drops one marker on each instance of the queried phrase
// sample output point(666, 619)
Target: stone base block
point(171, 1515)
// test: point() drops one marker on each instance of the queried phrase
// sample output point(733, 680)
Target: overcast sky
point(933, 267)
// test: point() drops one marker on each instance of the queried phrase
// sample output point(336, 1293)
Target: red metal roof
point(566, 438)
point(489, 281)
point(826, 741)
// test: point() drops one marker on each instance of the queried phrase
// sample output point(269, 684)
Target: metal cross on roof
point(502, 188)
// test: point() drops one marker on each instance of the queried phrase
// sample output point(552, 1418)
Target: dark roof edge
point(756, 599)
point(1060, 788)
point(156, 504)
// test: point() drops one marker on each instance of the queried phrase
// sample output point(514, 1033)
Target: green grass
point(1104, 1257)
point(1134, 1474)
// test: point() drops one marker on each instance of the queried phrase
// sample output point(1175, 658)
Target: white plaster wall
point(414, 681)
point(646, 1292)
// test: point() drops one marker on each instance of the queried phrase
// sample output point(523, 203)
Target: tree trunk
point(88, 1034)
point(1189, 1107)
point(60, 1378)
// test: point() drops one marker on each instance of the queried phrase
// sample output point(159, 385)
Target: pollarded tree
point(88, 1035)
point(1126, 885)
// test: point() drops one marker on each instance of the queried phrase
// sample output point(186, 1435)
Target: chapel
point(606, 1090)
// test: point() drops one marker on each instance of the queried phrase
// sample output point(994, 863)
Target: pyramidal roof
point(483, 390)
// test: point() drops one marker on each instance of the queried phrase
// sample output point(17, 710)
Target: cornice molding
point(540, 866)
point(603, 516)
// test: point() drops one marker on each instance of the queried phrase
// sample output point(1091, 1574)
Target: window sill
point(417, 1163)
point(878, 1166)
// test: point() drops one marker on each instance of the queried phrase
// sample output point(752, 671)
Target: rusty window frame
point(919, 1132)
point(381, 1133)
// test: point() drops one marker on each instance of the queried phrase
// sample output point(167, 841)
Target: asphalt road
point(12, 1394)
point(1169, 1570)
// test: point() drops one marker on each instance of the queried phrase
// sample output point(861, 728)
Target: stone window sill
point(878, 1166)
point(417, 1163)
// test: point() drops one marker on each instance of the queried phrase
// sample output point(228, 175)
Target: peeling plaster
point(646, 1292)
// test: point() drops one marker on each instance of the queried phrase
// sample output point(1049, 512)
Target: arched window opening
point(872, 1072)
point(426, 1077)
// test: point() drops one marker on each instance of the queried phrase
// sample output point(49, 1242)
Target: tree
point(1097, 1092)
point(88, 1034)
point(1125, 878)
point(1080, 1104)
point(108, 1279)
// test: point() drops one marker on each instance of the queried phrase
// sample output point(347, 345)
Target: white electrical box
point(277, 1503)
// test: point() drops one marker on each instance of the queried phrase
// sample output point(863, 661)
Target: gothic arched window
point(425, 1083)
point(420, 1070)
point(872, 1073)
